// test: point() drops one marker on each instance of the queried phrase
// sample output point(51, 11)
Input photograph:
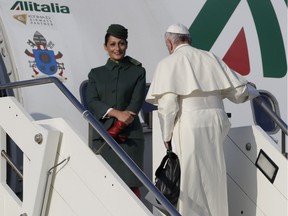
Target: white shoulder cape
point(189, 69)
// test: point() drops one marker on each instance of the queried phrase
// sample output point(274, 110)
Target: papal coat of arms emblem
point(45, 61)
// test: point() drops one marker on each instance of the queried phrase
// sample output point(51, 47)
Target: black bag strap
point(169, 147)
point(169, 154)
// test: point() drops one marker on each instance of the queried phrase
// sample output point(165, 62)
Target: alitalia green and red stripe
point(211, 21)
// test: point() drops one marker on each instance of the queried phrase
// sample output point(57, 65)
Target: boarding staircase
point(62, 176)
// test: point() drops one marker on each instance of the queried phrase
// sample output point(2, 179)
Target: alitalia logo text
point(32, 6)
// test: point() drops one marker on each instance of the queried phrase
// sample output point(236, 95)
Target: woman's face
point(116, 48)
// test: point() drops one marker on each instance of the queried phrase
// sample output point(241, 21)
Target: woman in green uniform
point(116, 92)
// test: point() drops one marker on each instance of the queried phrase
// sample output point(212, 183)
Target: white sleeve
point(236, 95)
point(241, 93)
point(167, 111)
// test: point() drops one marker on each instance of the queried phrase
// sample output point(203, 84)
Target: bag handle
point(169, 150)
point(169, 154)
point(162, 164)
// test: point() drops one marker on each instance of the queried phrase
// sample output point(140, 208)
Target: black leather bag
point(167, 177)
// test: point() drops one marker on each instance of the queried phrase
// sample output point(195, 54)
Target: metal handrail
point(104, 134)
point(276, 119)
point(272, 114)
point(10, 162)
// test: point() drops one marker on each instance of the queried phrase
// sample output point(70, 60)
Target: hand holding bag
point(167, 177)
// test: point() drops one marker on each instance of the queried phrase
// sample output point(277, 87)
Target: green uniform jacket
point(121, 86)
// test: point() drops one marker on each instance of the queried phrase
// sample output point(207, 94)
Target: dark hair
point(107, 37)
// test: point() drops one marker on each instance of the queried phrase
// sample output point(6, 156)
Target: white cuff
point(105, 115)
point(252, 92)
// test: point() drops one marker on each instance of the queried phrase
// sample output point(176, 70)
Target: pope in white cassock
point(188, 86)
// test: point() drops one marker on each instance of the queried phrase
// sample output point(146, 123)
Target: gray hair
point(178, 38)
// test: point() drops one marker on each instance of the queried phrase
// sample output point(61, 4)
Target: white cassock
point(188, 87)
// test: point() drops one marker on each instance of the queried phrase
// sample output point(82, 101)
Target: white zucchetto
point(178, 29)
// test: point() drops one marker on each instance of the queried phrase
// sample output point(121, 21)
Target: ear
point(105, 47)
point(170, 46)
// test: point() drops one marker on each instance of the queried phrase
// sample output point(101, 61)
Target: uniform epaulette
point(134, 61)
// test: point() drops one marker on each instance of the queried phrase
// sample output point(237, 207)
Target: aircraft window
point(261, 118)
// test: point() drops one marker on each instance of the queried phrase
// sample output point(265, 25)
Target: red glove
point(116, 129)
